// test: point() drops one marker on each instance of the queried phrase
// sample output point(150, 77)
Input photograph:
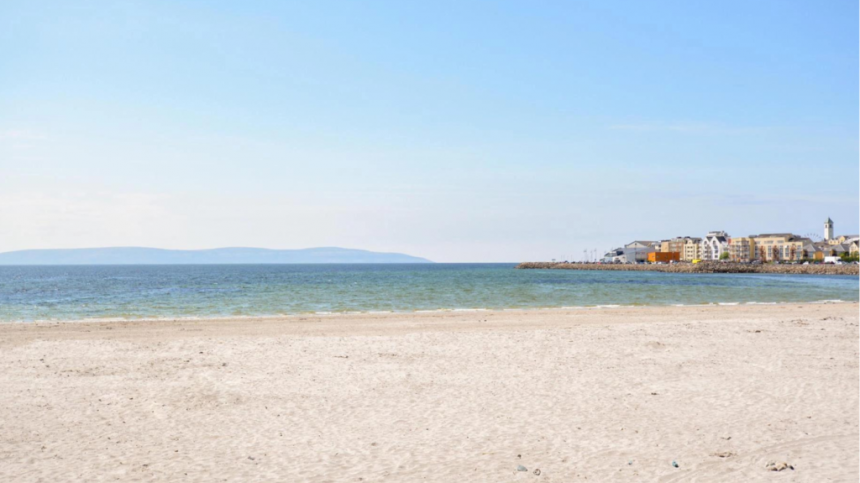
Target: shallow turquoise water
point(84, 292)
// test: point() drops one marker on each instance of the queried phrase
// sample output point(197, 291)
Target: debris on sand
point(521, 468)
point(774, 466)
point(724, 454)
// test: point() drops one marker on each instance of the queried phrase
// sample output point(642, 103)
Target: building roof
point(826, 247)
point(641, 242)
point(790, 236)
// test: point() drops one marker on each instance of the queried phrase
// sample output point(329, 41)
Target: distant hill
point(158, 256)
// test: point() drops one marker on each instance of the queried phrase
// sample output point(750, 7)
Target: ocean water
point(29, 293)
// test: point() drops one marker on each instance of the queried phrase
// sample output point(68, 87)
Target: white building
point(616, 255)
point(828, 229)
point(638, 250)
point(714, 244)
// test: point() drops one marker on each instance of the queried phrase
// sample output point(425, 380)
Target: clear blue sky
point(458, 131)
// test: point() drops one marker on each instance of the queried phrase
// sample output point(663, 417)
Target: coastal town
point(720, 246)
point(718, 252)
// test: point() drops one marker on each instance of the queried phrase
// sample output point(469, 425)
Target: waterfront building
point(853, 245)
point(616, 255)
point(781, 247)
point(637, 251)
point(824, 249)
point(742, 249)
point(663, 257)
point(676, 244)
point(820, 250)
point(692, 249)
point(808, 250)
point(714, 244)
point(843, 239)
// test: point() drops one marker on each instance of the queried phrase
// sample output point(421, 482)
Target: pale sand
point(582, 395)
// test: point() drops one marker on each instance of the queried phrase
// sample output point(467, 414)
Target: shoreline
point(216, 318)
point(431, 321)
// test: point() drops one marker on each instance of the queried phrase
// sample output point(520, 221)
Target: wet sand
point(581, 395)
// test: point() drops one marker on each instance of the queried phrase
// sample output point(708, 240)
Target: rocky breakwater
point(704, 267)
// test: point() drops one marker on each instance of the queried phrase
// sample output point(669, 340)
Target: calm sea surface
point(86, 292)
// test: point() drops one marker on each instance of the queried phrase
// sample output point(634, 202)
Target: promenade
point(704, 267)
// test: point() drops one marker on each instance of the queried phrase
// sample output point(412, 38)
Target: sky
point(459, 131)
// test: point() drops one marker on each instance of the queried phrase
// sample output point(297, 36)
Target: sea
point(61, 293)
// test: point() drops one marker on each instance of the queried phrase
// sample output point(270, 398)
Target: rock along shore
point(703, 267)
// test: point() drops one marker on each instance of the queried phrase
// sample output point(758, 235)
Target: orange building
point(664, 257)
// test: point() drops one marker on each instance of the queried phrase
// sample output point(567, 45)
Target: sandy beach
point(570, 395)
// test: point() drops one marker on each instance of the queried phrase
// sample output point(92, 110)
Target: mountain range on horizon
point(237, 255)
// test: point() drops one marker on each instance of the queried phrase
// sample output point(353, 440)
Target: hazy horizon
point(477, 132)
point(220, 255)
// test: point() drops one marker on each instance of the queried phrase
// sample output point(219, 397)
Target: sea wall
point(703, 267)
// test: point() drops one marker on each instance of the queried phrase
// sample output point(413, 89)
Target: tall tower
point(828, 229)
